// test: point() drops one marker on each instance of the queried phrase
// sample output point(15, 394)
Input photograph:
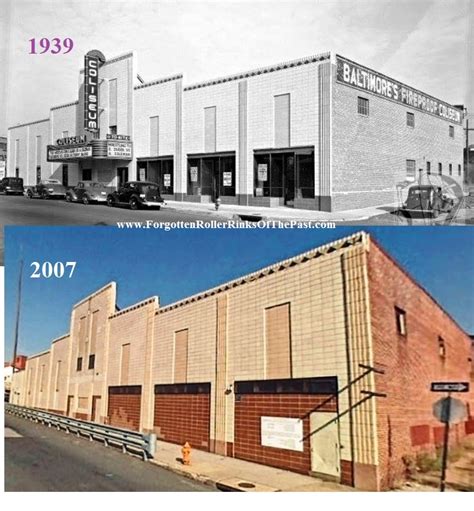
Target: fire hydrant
point(218, 203)
point(186, 452)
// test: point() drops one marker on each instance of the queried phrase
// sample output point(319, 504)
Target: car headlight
point(50, 189)
point(8, 187)
point(142, 196)
point(102, 193)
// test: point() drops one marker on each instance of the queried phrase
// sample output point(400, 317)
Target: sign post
point(449, 411)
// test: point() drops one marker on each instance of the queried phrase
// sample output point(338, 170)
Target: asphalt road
point(18, 210)
point(38, 458)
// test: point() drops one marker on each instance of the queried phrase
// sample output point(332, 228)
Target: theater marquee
point(360, 77)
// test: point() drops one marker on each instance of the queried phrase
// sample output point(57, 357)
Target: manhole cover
point(246, 485)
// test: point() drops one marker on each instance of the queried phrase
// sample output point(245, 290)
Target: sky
point(180, 263)
point(419, 42)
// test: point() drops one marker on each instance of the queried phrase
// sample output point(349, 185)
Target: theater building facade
point(320, 133)
point(319, 364)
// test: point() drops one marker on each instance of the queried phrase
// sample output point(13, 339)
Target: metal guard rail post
point(129, 441)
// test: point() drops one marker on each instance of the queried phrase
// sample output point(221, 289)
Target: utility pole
point(17, 323)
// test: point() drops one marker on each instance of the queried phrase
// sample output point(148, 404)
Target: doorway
point(69, 405)
point(65, 175)
point(95, 412)
point(325, 445)
point(122, 176)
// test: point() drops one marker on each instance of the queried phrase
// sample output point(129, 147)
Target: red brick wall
point(411, 363)
point(247, 430)
point(181, 418)
point(124, 411)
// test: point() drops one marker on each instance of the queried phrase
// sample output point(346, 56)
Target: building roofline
point(60, 338)
point(27, 124)
point(71, 103)
point(262, 70)
point(41, 353)
point(414, 281)
point(357, 238)
point(95, 293)
point(122, 56)
point(158, 81)
point(138, 305)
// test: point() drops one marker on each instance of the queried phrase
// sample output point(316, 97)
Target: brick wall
point(405, 420)
point(250, 408)
point(370, 152)
point(181, 418)
point(124, 410)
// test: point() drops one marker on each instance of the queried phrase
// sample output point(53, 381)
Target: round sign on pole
point(453, 413)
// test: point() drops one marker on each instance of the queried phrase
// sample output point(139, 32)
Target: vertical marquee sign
point(92, 62)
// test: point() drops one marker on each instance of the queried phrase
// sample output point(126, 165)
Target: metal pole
point(445, 444)
point(18, 308)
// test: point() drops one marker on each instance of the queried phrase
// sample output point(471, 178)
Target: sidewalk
point(228, 473)
point(279, 213)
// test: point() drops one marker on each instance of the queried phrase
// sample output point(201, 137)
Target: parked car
point(88, 191)
point(47, 189)
point(11, 185)
point(427, 199)
point(136, 194)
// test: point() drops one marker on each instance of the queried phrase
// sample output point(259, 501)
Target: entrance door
point(95, 413)
point(65, 175)
point(69, 405)
point(325, 444)
point(210, 177)
point(289, 178)
point(122, 175)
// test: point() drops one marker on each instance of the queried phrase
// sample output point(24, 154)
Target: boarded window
point(420, 435)
point(82, 334)
point(82, 403)
point(442, 348)
point(154, 135)
point(125, 364)
point(362, 106)
point(282, 120)
point(410, 119)
point(210, 129)
point(451, 131)
point(278, 341)
point(113, 102)
point(400, 318)
point(181, 356)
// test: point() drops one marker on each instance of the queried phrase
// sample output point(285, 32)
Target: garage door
point(124, 406)
point(272, 420)
point(182, 413)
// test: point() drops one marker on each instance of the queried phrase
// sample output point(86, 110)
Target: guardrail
point(129, 441)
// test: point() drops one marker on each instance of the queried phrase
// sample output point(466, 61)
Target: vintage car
point(88, 191)
point(427, 199)
point(136, 194)
point(11, 185)
point(47, 189)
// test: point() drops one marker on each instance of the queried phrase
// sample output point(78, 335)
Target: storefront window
point(212, 175)
point(158, 171)
point(288, 175)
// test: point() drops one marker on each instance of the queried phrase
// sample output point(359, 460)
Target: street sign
point(450, 410)
point(449, 386)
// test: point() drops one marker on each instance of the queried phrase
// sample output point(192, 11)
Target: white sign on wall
point(70, 152)
point(119, 149)
point(282, 432)
point(2, 169)
point(262, 171)
point(193, 171)
point(227, 178)
point(167, 180)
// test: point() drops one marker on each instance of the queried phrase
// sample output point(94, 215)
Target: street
point(18, 210)
point(38, 458)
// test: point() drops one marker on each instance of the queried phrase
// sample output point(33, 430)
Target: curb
point(190, 475)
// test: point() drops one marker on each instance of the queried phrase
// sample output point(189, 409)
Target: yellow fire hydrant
point(186, 452)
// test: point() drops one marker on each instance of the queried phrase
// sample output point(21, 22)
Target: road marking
point(10, 433)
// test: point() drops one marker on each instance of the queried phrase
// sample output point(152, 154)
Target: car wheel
point(68, 198)
point(435, 213)
point(29, 194)
point(44, 195)
point(134, 204)
point(85, 200)
point(110, 201)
